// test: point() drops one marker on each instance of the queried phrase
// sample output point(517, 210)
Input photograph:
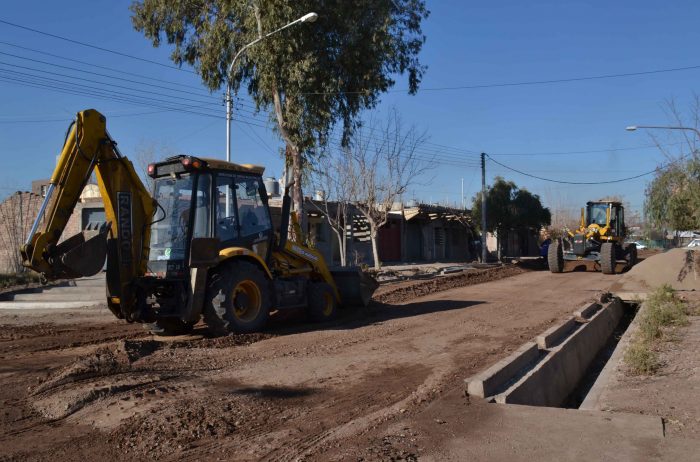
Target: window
point(201, 206)
point(226, 223)
point(253, 214)
point(169, 235)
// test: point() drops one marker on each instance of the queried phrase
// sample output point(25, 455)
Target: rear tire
point(166, 327)
point(238, 299)
point(607, 258)
point(555, 256)
point(631, 254)
point(322, 304)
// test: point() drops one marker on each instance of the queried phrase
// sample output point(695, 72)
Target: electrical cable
point(107, 50)
point(619, 180)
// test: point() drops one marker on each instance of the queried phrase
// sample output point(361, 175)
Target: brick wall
point(17, 214)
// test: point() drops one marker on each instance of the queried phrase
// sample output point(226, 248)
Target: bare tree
point(385, 163)
point(334, 176)
point(145, 153)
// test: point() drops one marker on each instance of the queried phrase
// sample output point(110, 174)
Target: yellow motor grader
point(598, 239)
point(202, 246)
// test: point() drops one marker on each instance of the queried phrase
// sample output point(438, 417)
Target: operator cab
point(597, 213)
point(205, 198)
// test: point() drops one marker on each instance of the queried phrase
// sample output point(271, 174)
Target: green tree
point(309, 78)
point(673, 196)
point(509, 207)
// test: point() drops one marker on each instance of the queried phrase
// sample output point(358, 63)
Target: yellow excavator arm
point(129, 209)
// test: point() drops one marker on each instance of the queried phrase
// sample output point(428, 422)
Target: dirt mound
point(680, 268)
point(90, 378)
point(408, 291)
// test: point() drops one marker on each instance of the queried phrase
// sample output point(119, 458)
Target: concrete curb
point(587, 311)
point(494, 379)
point(552, 380)
point(553, 335)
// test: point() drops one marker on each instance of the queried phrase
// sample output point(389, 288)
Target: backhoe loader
point(599, 239)
point(202, 246)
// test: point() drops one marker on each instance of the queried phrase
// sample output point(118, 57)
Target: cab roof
point(216, 164)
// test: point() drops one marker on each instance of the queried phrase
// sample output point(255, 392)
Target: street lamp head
point(309, 17)
point(631, 128)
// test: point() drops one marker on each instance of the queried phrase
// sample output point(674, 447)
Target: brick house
point(18, 211)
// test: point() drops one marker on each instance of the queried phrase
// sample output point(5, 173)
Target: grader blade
point(355, 286)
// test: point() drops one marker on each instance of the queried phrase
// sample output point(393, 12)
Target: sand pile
point(680, 268)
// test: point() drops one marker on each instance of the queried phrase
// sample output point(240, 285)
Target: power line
point(53, 55)
point(106, 50)
point(520, 84)
point(100, 83)
point(98, 74)
point(619, 180)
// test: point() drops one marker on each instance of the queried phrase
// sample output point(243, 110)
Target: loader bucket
point(83, 254)
point(355, 286)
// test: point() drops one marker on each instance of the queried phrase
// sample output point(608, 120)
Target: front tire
point(555, 257)
point(322, 304)
point(607, 258)
point(238, 299)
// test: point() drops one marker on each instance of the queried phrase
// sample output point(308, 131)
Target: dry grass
point(663, 310)
point(9, 280)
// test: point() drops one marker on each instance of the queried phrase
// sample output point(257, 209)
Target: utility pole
point(483, 207)
point(462, 194)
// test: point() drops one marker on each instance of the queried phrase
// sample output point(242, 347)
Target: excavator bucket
point(83, 254)
point(355, 286)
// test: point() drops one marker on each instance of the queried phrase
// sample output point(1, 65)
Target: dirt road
point(81, 385)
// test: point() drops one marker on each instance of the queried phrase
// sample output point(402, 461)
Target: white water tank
point(272, 186)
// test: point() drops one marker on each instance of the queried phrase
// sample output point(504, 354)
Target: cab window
point(226, 222)
point(252, 212)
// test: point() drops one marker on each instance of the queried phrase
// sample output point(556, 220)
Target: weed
point(662, 309)
point(641, 359)
point(8, 280)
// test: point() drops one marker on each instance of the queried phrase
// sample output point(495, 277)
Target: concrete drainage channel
point(561, 365)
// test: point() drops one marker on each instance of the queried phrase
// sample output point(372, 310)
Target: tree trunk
point(341, 245)
point(291, 148)
point(375, 250)
point(297, 196)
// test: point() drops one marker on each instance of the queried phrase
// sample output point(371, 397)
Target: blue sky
point(468, 43)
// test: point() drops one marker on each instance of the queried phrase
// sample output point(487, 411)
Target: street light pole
point(308, 17)
point(632, 128)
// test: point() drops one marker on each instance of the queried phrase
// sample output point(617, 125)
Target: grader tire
point(608, 258)
point(322, 304)
point(238, 299)
point(631, 254)
point(555, 256)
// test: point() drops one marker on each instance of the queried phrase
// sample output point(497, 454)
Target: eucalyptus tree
point(309, 78)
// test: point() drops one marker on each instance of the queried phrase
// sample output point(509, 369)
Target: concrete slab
point(37, 305)
point(631, 297)
point(496, 377)
point(554, 334)
point(482, 431)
